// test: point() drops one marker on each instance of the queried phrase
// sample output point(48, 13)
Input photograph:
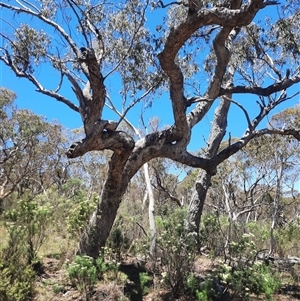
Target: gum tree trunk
point(203, 180)
point(96, 233)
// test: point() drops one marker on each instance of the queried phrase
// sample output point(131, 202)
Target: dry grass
point(3, 236)
point(54, 284)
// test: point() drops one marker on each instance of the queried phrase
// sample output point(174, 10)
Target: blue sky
point(53, 110)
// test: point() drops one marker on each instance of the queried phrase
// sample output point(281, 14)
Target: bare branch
point(171, 3)
point(283, 132)
point(165, 190)
point(244, 111)
point(29, 4)
point(36, 83)
point(134, 102)
point(235, 147)
point(72, 3)
point(276, 87)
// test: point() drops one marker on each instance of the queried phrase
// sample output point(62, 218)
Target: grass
point(3, 236)
point(55, 285)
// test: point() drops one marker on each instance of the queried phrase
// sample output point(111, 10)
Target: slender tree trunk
point(145, 198)
point(197, 202)
point(152, 227)
point(275, 208)
point(203, 180)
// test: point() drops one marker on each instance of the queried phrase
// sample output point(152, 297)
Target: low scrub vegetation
point(247, 246)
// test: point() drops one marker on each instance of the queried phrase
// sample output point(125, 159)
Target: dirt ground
point(53, 285)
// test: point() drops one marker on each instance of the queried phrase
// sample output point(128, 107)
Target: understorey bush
point(245, 276)
point(177, 250)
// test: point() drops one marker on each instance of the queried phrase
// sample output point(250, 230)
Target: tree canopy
point(31, 149)
point(202, 53)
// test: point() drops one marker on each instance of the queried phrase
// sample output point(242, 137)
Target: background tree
point(91, 44)
point(31, 150)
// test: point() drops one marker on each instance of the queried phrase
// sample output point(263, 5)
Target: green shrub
point(244, 276)
point(211, 234)
point(80, 214)
point(287, 239)
point(16, 282)
point(118, 242)
point(261, 233)
point(57, 288)
point(243, 250)
point(27, 224)
point(204, 290)
point(177, 251)
point(83, 273)
point(256, 279)
point(144, 282)
point(207, 291)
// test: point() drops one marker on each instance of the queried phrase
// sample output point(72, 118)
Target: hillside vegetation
point(247, 249)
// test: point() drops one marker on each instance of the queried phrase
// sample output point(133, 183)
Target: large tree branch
point(93, 107)
point(176, 90)
point(234, 17)
point(229, 18)
point(163, 144)
point(235, 147)
point(168, 143)
point(223, 54)
point(276, 87)
point(283, 132)
point(188, 159)
point(103, 138)
point(251, 133)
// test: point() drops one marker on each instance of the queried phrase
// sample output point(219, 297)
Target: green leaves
point(27, 224)
point(29, 47)
point(288, 118)
point(83, 274)
point(7, 97)
point(27, 141)
point(85, 271)
point(79, 216)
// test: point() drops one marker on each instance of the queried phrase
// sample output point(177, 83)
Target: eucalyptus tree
point(30, 150)
point(201, 53)
point(259, 184)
